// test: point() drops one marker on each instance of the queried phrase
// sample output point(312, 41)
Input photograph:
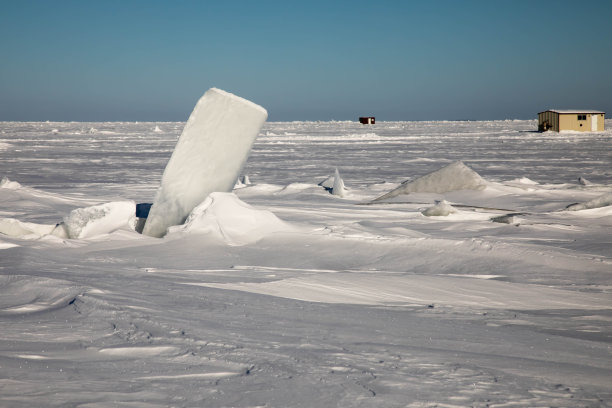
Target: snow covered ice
point(281, 294)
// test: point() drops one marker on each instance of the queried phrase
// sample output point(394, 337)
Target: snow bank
point(100, 219)
point(601, 201)
point(456, 176)
point(11, 185)
point(225, 217)
point(208, 156)
point(441, 209)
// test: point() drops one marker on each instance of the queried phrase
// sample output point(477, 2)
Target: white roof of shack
point(573, 111)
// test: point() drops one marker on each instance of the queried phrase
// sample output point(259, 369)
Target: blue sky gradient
point(318, 60)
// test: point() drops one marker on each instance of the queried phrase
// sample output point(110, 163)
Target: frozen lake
point(282, 294)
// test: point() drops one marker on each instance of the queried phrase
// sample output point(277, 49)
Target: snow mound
point(456, 176)
point(99, 219)
point(11, 185)
point(441, 209)
point(157, 129)
point(27, 230)
point(227, 218)
point(598, 202)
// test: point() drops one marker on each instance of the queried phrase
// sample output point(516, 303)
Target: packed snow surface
point(281, 294)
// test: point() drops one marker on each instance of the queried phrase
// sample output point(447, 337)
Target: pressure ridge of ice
point(456, 176)
point(598, 202)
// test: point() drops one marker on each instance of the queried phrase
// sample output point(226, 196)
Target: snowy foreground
point(283, 294)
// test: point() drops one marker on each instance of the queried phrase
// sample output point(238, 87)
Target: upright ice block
point(208, 157)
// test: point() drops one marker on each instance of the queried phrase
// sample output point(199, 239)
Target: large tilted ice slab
point(208, 157)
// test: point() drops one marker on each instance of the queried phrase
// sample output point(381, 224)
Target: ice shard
point(208, 157)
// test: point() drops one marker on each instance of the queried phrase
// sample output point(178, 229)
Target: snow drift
point(456, 176)
point(29, 230)
point(226, 218)
point(29, 294)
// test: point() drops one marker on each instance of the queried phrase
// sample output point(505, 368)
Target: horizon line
point(267, 121)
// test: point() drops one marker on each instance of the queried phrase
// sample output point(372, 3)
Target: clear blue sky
point(308, 60)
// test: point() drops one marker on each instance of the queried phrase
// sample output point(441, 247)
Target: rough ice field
point(283, 294)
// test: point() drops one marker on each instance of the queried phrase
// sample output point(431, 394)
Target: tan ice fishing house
point(575, 120)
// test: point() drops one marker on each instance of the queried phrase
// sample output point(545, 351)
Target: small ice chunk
point(505, 219)
point(8, 184)
point(328, 183)
point(99, 219)
point(441, 209)
point(338, 187)
point(334, 184)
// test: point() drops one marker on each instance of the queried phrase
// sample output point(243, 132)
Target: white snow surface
point(280, 294)
point(208, 157)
